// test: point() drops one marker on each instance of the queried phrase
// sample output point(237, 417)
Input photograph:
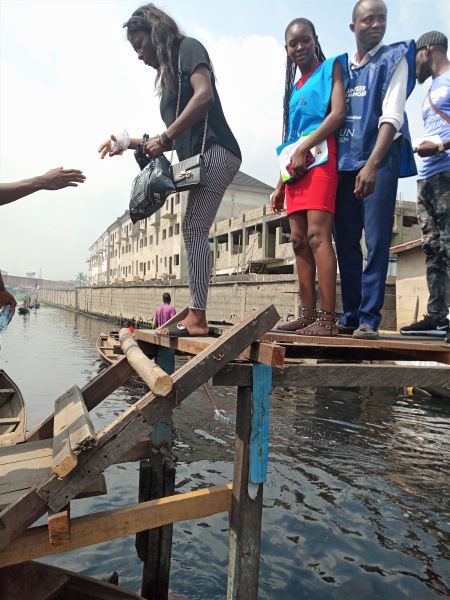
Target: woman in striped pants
point(191, 110)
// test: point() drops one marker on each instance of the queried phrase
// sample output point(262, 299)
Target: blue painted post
point(259, 440)
point(250, 472)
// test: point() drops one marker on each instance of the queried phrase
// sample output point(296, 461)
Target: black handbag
point(190, 173)
point(151, 187)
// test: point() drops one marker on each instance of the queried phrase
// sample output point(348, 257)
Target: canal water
point(357, 500)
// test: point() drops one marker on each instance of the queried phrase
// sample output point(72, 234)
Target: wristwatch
point(441, 148)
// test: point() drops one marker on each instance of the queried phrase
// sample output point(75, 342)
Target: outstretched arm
point(55, 179)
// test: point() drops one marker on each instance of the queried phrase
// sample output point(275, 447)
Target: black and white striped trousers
point(221, 166)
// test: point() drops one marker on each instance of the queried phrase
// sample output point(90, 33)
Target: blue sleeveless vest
point(308, 106)
point(365, 93)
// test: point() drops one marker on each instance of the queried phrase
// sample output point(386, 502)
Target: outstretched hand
point(110, 148)
point(59, 178)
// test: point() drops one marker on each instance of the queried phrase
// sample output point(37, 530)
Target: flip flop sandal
point(178, 330)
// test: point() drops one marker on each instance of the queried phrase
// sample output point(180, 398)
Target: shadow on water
point(357, 500)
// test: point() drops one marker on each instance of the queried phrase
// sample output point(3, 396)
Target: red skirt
point(316, 190)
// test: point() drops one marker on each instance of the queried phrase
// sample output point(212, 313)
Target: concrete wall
point(228, 301)
point(411, 285)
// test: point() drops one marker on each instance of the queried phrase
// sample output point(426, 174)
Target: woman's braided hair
point(165, 37)
point(291, 69)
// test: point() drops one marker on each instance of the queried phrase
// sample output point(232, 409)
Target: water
point(357, 500)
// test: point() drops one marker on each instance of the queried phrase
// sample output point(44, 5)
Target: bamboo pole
point(157, 380)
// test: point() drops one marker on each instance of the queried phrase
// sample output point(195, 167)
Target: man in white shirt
point(374, 150)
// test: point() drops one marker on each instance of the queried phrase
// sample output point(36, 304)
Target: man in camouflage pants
point(433, 202)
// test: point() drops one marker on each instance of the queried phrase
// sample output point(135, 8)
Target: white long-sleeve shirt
point(393, 108)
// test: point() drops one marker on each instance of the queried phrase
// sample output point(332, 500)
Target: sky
point(69, 78)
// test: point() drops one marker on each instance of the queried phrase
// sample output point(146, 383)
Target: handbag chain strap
point(177, 113)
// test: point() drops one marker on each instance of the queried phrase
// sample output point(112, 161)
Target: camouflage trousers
point(433, 213)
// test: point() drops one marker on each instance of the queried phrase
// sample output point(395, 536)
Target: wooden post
point(245, 516)
point(157, 480)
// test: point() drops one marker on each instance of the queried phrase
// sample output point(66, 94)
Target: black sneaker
point(427, 326)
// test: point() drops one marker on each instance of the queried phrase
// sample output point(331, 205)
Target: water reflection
point(356, 505)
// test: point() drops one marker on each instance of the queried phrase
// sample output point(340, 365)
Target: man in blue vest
point(433, 185)
point(374, 150)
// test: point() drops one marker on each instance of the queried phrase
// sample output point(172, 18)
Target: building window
point(176, 260)
point(177, 228)
point(171, 231)
point(177, 198)
point(150, 240)
point(141, 243)
point(145, 241)
point(141, 266)
point(165, 261)
point(164, 234)
point(148, 264)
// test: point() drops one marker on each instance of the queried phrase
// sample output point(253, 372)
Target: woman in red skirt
point(314, 108)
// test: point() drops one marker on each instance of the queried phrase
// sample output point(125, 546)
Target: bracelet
point(441, 148)
point(165, 140)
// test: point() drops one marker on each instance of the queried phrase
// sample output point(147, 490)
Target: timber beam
point(339, 375)
point(110, 524)
point(119, 436)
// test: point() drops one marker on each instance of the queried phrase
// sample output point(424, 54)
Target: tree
point(80, 279)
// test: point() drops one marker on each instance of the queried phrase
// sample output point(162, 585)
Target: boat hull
point(12, 412)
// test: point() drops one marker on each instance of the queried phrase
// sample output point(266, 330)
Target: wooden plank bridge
point(64, 458)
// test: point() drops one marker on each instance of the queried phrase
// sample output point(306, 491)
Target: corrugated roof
point(249, 181)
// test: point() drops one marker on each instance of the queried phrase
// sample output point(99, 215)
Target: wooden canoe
point(52, 583)
point(108, 347)
point(12, 412)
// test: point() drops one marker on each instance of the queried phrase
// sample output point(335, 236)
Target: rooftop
point(249, 181)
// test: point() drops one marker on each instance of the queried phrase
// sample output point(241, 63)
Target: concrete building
point(246, 237)
point(153, 248)
point(259, 241)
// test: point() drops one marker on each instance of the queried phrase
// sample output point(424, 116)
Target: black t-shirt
point(192, 55)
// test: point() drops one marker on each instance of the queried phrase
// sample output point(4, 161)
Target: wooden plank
point(59, 526)
point(210, 361)
point(436, 350)
point(73, 432)
point(95, 487)
point(266, 353)
point(393, 342)
point(64, 458)
point(157, 380)
point(29, 580)
point(39, 455)
point(107, 525)
point(47, 582)
point(9, 421)
point(94, 392)
point(344, 353)
point(246, 513)
point(340, 375)
point(118, 437)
